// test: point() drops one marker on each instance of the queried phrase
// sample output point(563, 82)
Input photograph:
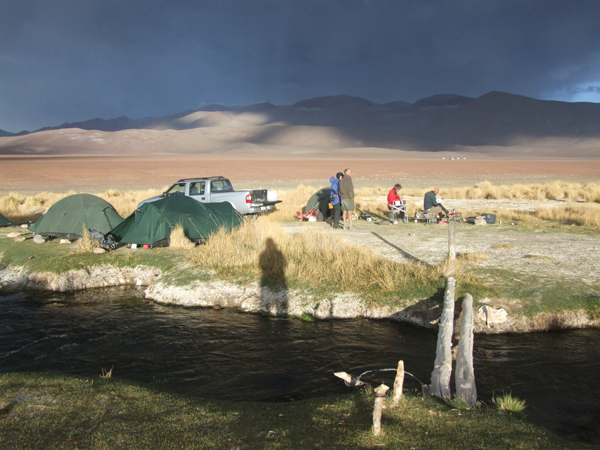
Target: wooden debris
point(378, 409)
point(440, 377)
point(349, 379)
point(466, 391)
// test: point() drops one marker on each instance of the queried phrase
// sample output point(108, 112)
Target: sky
point(74, 60)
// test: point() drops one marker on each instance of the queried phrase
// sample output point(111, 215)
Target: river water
point(235, 356)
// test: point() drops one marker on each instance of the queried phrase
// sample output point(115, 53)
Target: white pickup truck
point(219, 189)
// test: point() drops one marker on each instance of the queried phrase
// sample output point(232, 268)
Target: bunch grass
point(85, 244)
point(512, 405)
point(311, 257)
point(178, 240)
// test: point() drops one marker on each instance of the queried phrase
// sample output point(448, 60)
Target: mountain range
point(439, 122)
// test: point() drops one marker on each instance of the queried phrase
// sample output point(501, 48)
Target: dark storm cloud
point(67, 60)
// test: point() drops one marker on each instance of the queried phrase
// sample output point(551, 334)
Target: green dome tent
point(319, 201)
point(68, 217)
point(152, 222)
point(4, 222)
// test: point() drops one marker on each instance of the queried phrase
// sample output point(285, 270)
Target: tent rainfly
point(4, 222)
point(152, 222)
point(71, 215)
point(319, 201)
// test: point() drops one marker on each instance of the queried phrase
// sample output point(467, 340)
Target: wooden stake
point(451, 236)
point(398, 384)
point(466, 391)
point(440, 377)
point(378, 409)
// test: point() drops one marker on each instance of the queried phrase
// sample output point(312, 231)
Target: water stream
point(229, 355)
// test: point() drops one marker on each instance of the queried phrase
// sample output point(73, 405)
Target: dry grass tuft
point(308, 256)
point(587, 214)
point(178, 239)
point(503, 246)
point(20, 208)
point(557, 190)
point(541, 258)
point(85, 244)
point(473, 257)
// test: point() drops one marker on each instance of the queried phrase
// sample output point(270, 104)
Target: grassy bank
point(41, 411)
point(321, 264)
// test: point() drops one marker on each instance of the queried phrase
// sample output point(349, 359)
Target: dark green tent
point(68, 217)
point(152, 222)
point(319, 201)
point(4, 222)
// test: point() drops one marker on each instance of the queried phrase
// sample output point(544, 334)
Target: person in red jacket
point(393, 195)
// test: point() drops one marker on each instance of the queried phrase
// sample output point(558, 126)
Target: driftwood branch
point(466, 391)
point(349, 379)
point(378, 409)
point(440, 377)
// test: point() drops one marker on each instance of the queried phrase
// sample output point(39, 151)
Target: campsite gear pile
point(364, 216)
point(482, 219)
point(147, 227)
point(317, 208)
point(310, 216)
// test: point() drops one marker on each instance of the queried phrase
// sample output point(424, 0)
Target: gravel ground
point(555, 254)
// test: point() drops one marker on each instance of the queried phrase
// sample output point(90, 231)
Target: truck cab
point(218, 189)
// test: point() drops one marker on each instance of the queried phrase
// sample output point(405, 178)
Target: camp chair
point(398, 209)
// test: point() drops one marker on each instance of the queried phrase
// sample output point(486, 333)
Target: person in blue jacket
point(335, 199)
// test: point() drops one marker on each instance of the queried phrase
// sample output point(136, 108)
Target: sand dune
point(495, 123)
point(263, 140)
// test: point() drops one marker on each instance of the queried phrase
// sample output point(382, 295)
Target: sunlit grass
point(178, 239)
point(85, 244)
point(312, 257)
point(22, 208)
point(512, 405)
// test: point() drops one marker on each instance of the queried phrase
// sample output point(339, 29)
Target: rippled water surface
point(228, 355)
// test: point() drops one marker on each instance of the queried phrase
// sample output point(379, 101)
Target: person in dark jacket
point(335, 199)
point(430, 203)
point(347, 197)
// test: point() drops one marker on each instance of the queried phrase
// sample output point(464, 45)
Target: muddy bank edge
point(257, 299)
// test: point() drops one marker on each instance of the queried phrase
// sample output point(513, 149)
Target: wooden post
point(451, 236)
point(466, 391)
point(440, 377)
point(398, 384)
point(379, 404)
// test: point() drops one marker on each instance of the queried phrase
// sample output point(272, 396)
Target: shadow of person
point(273, 293)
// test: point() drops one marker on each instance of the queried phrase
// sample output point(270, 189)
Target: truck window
point(178, 188)
point(197, 188)
point(221, 186)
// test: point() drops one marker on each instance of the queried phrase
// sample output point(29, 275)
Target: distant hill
point(439, 122)
point(442, 100)
point(336, 101)
point(5, 133)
